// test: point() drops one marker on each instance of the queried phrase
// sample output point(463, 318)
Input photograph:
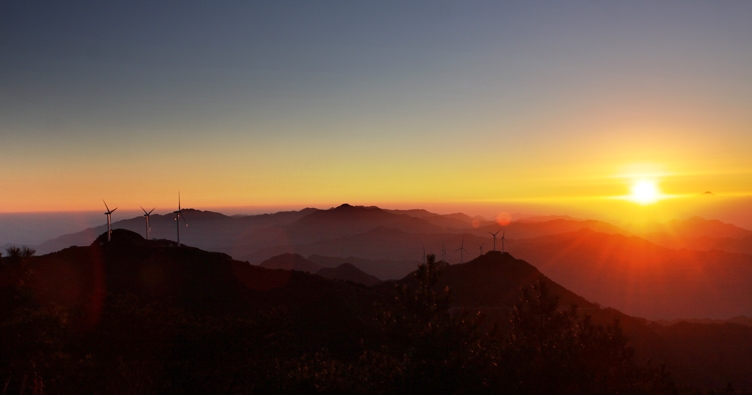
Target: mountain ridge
point(398, 239)
point(337, 314)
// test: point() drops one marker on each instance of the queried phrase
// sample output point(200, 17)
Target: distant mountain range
point(694, 268)
point(642, 278)
point(345, 271)
point(337, 314)
point(700, 234)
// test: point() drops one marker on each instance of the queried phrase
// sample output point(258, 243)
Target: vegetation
point(560, 351)
point(416, 345)
point(19, 254)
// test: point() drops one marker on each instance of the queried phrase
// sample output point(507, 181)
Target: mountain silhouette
point(493, 280)
point(97, 282)
point(123, 238)
point(291, 262)
point(700, 234)
point(642, 278)
point(344, 272)
point(698, 354)
point(195, 280)
point(384, 269)
point(593, 258)
point(348, 272)
point(348, 220)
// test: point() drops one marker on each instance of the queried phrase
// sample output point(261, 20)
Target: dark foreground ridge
point(133, 315)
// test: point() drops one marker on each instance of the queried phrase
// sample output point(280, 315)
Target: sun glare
point(645, 192)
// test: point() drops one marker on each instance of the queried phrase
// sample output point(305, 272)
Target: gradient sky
point(391, 103)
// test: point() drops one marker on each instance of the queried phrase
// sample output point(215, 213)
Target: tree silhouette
point(435, 347)
point(14, 253)
point(27, 252)
point(550, 350)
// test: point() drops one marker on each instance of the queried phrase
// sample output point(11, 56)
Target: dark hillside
point(147, 316)
point(291, 262)
point(491, 284)
point(709, 355)
point(194, 280)
point(705, 355)
point(348, 272)
point(494, 280)
point(381, 268)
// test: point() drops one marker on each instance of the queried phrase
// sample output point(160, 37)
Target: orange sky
point(477, 109)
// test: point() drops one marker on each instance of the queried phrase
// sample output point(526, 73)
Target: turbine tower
point(494, 236)
point(481, 249)
point(109, 220)
point(443, 254)
point(462, 248)
point(179, 214)
point(146, 215)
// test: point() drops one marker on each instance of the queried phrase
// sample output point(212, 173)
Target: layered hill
point(187, 278)
point(667, 272)
point(348, 272)
point(313, 231)
point(291, 262)
point(702, 355)
point(116, 296)
point(344, 272)
point(642, 278)
point(700, 234)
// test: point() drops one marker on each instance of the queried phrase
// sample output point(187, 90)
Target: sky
point(456, 106)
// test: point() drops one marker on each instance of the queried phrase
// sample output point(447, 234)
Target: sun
point(645, 192)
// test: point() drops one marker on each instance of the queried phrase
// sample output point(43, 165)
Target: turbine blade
point(150, 211)
point(105, 205)
point(142, 208)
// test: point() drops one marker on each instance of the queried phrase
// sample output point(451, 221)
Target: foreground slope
point(186, 317)
point(81, 279)
point(702, 355)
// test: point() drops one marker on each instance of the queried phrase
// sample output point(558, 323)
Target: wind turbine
point(481, 249)
point(462, 248)
point(179, 214)
point(109, 220)
point(494, 236)
point(146, 215)
point(443, 254)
